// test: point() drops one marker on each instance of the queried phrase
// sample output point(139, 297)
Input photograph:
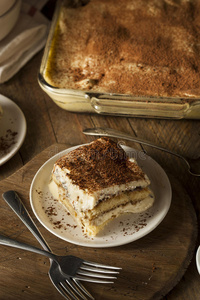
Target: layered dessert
point(140, 47)
point(98, 182)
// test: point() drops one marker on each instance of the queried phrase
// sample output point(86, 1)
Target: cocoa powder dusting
point(7, 141)
point(100, 164)
point(135, 47)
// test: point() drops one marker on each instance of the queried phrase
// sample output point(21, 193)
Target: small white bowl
point(9, 18)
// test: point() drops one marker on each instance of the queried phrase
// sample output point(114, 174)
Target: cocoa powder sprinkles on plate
point(7, 141)
point(12, 129)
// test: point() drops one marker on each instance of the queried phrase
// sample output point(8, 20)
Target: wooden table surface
point(48, 124)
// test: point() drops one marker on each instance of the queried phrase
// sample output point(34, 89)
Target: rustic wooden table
point(48, 124)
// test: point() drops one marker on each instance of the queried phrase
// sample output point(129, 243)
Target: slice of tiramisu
point(98, 182)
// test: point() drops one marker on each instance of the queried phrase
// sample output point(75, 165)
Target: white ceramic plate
point(198, 259)
point(12, 129)
point(123, 230)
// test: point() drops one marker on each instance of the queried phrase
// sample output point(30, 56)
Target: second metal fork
point(67, 284)
point(193, 164)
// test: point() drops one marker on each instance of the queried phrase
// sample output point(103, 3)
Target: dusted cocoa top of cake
point(138, 47)
point(100, 164)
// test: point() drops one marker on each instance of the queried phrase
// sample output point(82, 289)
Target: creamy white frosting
point(82, 200)
point(137, 207)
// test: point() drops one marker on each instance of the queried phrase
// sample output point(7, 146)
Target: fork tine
point(83, 278)
point(94, 264)
point(83, 288)
point(61, 290)
point(100, 270)
point(97, 275)
point(76, 288)
point(66, 287)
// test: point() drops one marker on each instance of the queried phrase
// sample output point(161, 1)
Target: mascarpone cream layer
point(82, 200)
point(137, 207)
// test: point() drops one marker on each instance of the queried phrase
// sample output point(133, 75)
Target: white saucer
point(125, 229)
point(12, 129)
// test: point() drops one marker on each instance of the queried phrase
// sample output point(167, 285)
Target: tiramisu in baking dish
point(137, 47)
point(98, 182)
point(136, 58)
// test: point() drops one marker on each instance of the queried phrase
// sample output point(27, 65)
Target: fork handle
point(6, 241)
point(14, 201)
point(100, 131)
point(110, 132)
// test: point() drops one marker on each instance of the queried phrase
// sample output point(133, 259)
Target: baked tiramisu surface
point(99, 165)
point(138, 47)
point(97, 182)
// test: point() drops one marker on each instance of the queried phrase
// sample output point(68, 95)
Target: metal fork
point(74, 268)
point(193, 165)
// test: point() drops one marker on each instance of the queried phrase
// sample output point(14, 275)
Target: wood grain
point(151, 266)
